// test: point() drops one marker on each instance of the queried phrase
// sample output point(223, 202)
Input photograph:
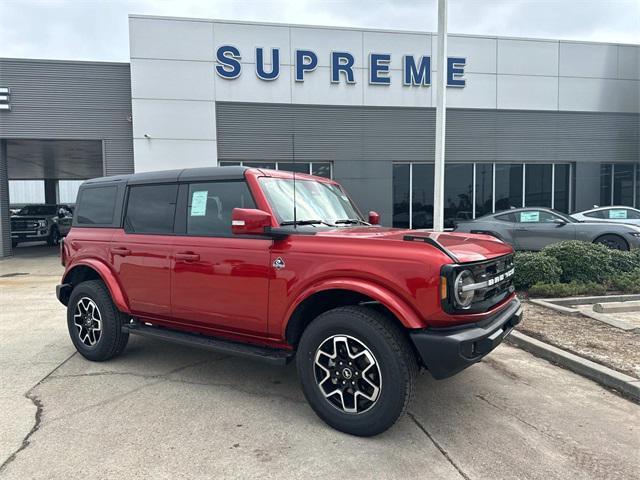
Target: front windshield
point(38, 210)
point(314, 200)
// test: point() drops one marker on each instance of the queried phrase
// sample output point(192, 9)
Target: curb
point(625, 384)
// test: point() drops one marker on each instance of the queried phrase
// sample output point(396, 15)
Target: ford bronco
point(281, 267)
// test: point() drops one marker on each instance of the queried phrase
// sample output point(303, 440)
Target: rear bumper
point(446, 352)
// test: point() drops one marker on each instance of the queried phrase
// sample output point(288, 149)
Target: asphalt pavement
point(164, 411)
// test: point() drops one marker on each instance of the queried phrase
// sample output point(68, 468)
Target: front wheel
point(357, 370)
point(94, 322)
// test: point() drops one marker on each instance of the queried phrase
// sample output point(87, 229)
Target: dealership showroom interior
point(311, 239)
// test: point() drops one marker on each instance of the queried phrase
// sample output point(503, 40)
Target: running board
point(265, 354)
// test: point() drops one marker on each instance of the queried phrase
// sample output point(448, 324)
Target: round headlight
point(463, 299)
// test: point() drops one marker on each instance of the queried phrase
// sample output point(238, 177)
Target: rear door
point(220, 281)
point(535, 229)
point(141, 251)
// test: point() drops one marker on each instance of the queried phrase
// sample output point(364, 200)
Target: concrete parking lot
point(163, 411)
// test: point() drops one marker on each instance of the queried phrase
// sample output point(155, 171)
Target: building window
point(508, 186)
point(618, 184)
point(401, 195)
point(484, 189)
point(538, 185)
point(320, 169)
point(562, 187)
point(458, 193)
point(422, 195)
point(475, 189)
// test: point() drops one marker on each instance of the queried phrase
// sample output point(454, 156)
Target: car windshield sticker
point(617, 214)
point(529, 217)
point(199, 204)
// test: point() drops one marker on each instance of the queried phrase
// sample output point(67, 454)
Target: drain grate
point(16, 274)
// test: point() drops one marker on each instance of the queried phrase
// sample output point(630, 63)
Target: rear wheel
point(357, 370)
point(94, 322)
point(612, 241)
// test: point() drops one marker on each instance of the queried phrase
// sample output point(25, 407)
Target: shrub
point(622, 261)
point(584, 262)
point(567, 289)
point(535, 267)
point(627, 282)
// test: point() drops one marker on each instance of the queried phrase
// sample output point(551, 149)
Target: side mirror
point(249, 221)
point(374, 218)
point(559, 222)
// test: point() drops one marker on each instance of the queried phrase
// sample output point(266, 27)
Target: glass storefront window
point(508, 186)
point(484, 189)
point(561, 187)
point(605, 184)
point(422, 201)
point(537, 185)
point(458, 193)
point(401, 195)
point(623, 184)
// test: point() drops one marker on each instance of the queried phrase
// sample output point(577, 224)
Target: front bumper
point(30, 235)
point(446, 352)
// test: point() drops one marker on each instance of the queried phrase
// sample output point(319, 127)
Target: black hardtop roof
point(166, 176)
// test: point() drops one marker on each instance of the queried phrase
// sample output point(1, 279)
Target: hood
point(467, 247)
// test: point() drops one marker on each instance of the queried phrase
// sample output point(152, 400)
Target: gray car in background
point(615, 214)
point(535, 228)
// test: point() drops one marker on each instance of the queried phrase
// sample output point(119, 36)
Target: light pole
point(441, 118)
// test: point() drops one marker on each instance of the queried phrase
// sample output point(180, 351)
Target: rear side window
point(210, 205)
point(151, 209)
point(596, 214)
point(507, 217)
point(96, 205)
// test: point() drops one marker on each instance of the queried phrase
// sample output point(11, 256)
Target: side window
point(151, 209)
point(210, 205)
point(617, 213)
point(633, 214)
point(96, 205)
point(596, 214)
point(506, 217)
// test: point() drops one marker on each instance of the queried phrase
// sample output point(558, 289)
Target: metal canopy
point(54, 159)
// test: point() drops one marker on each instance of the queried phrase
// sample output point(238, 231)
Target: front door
point(220, 281)
point(535, 229)
point(141, 252)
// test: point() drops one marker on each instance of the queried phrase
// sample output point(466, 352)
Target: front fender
point(405, 313)
point(107, 277)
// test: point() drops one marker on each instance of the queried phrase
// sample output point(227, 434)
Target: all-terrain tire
point(364, 329)
point(87, 298)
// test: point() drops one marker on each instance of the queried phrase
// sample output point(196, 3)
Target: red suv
point(269, 265)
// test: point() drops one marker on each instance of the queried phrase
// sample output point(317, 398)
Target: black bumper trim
point(63, 291)
point(448, 352)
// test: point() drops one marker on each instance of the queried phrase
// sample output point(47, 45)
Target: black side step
point(265, 354)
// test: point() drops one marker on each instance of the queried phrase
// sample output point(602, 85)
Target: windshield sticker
point(617, 214)
point(526, 217)
point(199, 203)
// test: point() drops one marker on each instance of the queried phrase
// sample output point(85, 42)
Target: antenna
point(293, 145)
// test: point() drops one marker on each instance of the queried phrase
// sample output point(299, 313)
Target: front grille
point(490, 270)
point(23, 225)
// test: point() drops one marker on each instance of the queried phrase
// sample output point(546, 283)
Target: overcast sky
point(97, 30)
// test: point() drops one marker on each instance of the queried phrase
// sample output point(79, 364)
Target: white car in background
point(616, 214)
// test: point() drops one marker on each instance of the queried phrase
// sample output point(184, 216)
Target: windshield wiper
point(306, 222)
point(352, 221)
